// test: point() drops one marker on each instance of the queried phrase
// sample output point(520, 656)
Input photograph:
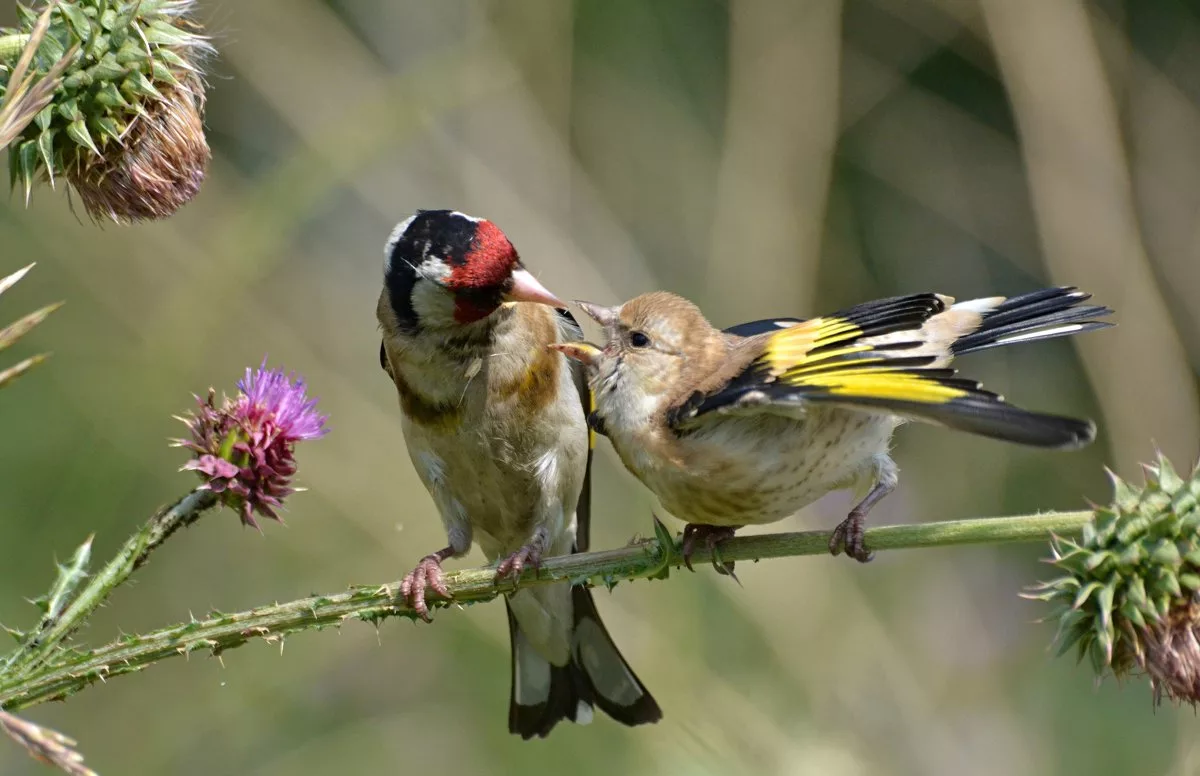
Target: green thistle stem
point(68, 673)
point(43, 646)
point(11, 47)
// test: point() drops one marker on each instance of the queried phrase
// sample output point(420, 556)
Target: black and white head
point(444, 269)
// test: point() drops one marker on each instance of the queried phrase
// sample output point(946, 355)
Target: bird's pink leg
point(530, 554)
point(428, 573)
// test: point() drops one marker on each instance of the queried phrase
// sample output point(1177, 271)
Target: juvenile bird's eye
point(638, 339)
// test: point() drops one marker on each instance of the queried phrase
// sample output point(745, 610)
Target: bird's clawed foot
point(848, 536)
point(513, 565)
point(428, 573)
point(713, 536)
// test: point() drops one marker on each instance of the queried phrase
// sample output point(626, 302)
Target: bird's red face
point(445, 269)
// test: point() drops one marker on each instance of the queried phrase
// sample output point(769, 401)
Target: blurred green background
point(764, 158)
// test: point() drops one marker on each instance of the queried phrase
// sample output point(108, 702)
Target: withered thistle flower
point(45, 745)
point(244, 447)
point(1130, 598)
point(14, 331)
point(124, 126)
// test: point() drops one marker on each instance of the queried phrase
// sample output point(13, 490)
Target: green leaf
point(137, 84)
point(132, 52)
point(27, 16)
point(78, 132)
point(27, 157)
point(1084, 593)
point(1135, 593)
point(110, 97)
point(164, 33)
point(1168, 479)
point(1166, 582)
point(107, 69)
point(1133, 615)
point(163, 73)
point(44, 117)
point(1166, 553)
point(1104, 603)
point(1134, 526)
point(1097, 559)
point(108, 129)
point(78, 20)
point(1125, 497)
point(69, 109)
point(110, 20)
point(170, 58)
point(69, 577)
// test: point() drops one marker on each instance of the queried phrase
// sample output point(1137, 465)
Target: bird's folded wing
point(570, 331)
point(843, 359)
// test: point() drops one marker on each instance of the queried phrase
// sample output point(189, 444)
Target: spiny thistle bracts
point(125, 124)
point(245, 447)
point(1130, 597)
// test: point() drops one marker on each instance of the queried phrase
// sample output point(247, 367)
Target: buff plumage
point(751, 424)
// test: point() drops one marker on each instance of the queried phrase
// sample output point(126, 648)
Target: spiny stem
point(41, 648)
point(647, 558)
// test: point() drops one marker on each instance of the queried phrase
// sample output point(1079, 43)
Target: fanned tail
point(1039, 315)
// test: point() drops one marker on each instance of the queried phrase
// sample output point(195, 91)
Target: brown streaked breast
point(538, 384)
point(424, 412)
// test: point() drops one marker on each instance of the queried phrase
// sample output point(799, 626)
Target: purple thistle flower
point(244, 448)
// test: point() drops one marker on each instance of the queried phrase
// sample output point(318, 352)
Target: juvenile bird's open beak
point(605, 316)
point(526, 288)
point(584, 352)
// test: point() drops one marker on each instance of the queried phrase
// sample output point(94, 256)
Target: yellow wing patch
point(879, 384)
point(828, 354)
point(591, 409)
point(792, 348)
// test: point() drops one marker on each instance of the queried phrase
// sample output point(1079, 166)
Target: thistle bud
point(1129, 599)
point(244, 448)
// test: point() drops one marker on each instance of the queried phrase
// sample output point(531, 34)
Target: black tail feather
point(623, 697)
point(568, 695)
point(1045, 314)
point(597, 675)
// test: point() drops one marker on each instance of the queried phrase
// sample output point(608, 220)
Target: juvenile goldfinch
point(494, 423)
point(750, 425)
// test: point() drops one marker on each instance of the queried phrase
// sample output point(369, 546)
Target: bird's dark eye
point(638, 339)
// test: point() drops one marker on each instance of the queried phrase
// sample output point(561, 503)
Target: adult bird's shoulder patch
point(874, 357)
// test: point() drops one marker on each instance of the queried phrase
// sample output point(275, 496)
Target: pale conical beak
point(605, 316)
point(584, 352)
point(526, 288)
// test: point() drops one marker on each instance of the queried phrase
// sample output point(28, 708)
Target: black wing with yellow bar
point(583, 509)
point(829, 360)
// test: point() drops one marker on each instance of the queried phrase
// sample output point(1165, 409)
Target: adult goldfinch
point(749, 425)
point(494, 423)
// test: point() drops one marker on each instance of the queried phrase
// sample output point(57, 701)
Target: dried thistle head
point(161, 166)
point(1130, 596)
point(125, 125)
